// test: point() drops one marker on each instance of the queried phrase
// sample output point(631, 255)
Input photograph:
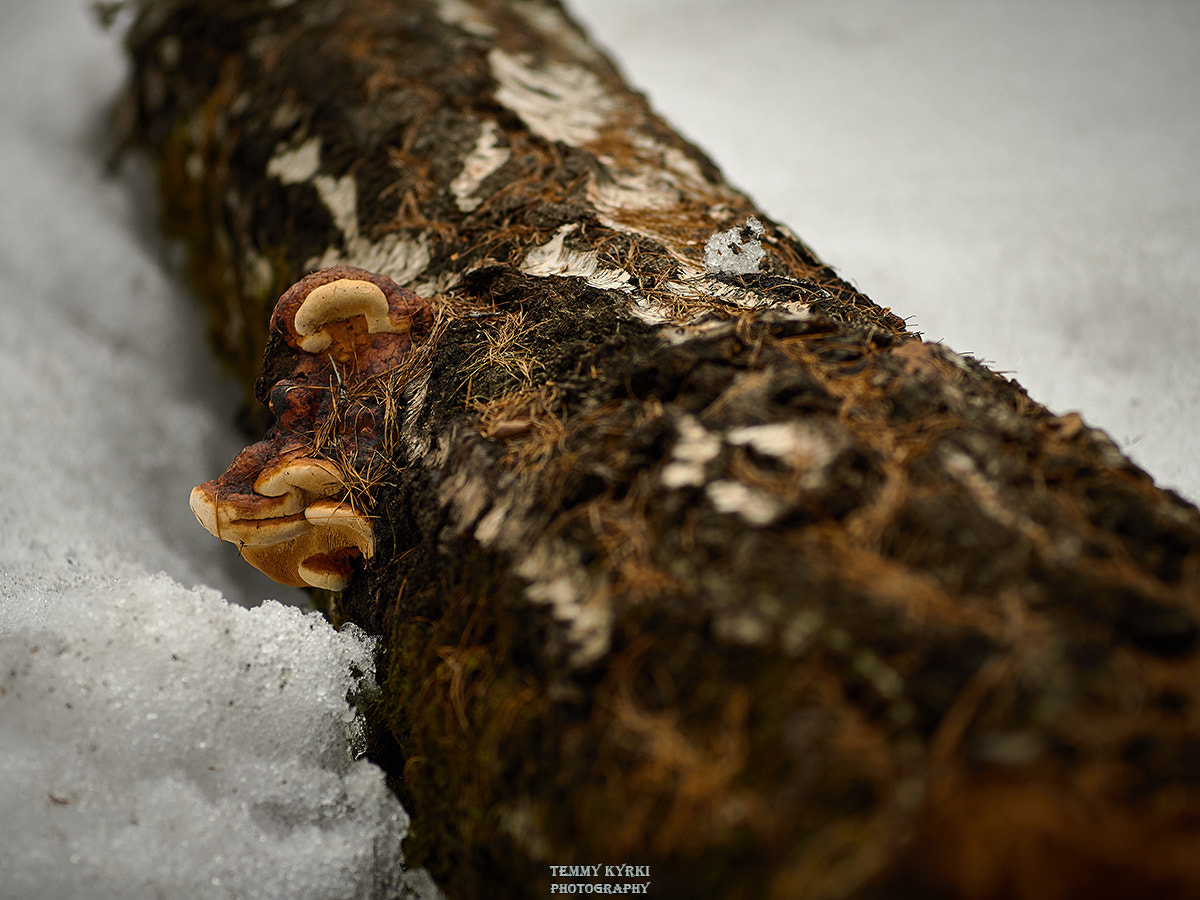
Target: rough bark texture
point(730, 576)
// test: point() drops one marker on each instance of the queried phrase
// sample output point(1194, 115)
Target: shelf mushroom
point(287, 509)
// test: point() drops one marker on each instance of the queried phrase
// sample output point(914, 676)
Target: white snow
point(159, 741)
point(1018, 176)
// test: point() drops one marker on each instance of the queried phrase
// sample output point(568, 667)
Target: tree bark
point(712, 569)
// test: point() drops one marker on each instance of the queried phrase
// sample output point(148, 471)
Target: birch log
point(705, 566)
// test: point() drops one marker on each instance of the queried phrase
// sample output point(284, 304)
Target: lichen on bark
point(729, 575)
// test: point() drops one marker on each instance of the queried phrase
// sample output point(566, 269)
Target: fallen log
point(686, 555)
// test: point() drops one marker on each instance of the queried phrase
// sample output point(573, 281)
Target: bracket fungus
point(286, 501)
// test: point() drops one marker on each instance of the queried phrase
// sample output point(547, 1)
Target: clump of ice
point(736, 251)
point(160, 742)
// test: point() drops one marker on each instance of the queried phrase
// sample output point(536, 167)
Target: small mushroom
point(289, 511)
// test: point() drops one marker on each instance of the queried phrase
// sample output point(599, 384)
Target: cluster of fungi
point(288, 508)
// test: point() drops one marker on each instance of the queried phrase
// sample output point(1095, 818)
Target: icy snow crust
point(159, 742)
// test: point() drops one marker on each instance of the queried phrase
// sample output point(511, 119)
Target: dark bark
point(727, 575)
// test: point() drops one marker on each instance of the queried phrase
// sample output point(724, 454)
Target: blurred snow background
point(1019, 178)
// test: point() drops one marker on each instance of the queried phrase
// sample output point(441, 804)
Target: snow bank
point(159, 742)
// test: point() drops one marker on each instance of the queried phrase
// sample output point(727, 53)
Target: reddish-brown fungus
point(288, 510)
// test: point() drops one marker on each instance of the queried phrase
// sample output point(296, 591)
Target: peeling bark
point(727, 575)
